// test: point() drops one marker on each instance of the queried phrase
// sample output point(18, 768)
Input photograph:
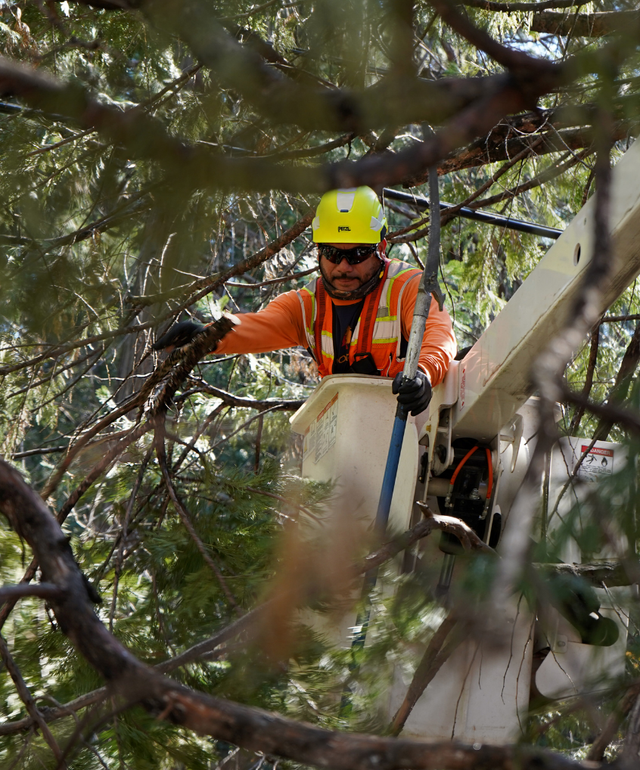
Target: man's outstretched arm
point(276, 327)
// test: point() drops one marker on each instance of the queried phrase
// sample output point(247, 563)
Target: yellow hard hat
point(353, 215)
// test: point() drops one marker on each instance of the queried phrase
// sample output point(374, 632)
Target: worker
point(356, 317)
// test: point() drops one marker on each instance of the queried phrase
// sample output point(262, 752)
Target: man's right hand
point(178, 336)
point(414, 394)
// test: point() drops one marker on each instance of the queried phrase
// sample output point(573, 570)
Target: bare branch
point(620, 389)
point(603, 573)
point(490, 5)
point(51, 715)
point(584, 24)
point(40, 590)
point(272, 404)
point(611, 319)
point(608, 733)
point(274, 281)
point(609, 413)
point(631, 749)
point(516, 61)
point(442, 645)
point(469, 539)
point(588, 380)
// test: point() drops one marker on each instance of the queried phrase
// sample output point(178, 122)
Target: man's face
point(346, 277)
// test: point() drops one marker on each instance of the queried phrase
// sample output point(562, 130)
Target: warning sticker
point(597, 463)
point(326, 428)
point(309, 442)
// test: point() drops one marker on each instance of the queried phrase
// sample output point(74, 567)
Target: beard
point(365, 287)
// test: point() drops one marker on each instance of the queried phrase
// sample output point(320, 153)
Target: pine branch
point(166, 380)
point(29, 702)
point(194, 291)
point(546, 175)
point(203, 286)
point(486, 102)
point(511, 59)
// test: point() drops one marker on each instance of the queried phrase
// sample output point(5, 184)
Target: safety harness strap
point(321, 305)
point(368, 317)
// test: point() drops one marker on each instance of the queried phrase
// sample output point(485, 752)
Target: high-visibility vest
point(379, 328)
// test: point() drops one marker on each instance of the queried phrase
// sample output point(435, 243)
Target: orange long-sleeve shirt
point(280, 325)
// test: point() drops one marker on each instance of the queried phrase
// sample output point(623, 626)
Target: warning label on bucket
point(597, 463)
point(327, 428)
point(321, 434)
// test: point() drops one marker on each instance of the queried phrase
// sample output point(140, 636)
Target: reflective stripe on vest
point(386, 335)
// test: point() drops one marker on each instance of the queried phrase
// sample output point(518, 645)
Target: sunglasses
point(353, 256)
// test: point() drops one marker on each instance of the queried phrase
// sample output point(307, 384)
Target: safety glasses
point(353, 256)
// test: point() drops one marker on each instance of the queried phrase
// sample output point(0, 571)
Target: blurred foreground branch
point(247, 727)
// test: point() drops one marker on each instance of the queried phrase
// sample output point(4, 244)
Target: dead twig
point(184, 513)
point(588, 380)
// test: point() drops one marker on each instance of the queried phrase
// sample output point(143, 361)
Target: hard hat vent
point(377, 224)
point(346, 199)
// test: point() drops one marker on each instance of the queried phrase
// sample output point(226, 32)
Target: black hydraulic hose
point(422, 204)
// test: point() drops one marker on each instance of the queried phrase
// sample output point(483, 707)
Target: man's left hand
point(178, 336)
point(413, 394)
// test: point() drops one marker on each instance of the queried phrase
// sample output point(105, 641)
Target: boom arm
point(493, 379)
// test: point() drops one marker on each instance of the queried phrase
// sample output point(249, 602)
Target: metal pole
point(428, 287)
point(422, 204)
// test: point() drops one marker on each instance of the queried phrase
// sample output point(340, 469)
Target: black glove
point(178, 335)
point(413, 394)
